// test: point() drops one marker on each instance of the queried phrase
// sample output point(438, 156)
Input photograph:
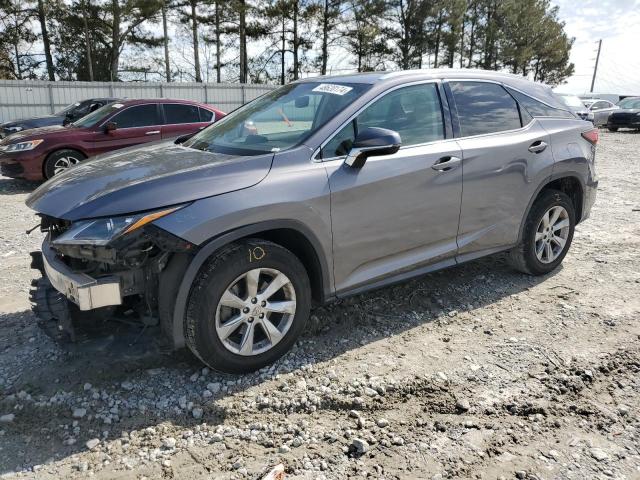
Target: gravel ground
point(473, 372)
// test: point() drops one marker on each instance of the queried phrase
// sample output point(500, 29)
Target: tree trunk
point(218, 59)
point(45, 40)
point(462, 43)
point(296, 40)
point(438, 33)
point(17, 54)
point(244, 67)
point(196, 46)
point(115, 41)
point(325, 39)
point(87, 39)
point(167, 65)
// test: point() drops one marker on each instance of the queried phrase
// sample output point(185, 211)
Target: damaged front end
point(112, 267)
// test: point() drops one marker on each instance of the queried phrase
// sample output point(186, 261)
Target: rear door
point(398, 212)
point(601, 111)
point(506, 154)
point(135, 125)
point(180, 119)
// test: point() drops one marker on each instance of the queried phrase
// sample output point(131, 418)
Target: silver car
point(321, 189)
point(601, 110)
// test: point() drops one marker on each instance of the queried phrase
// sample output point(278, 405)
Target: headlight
point(590, 116)
point(103, 230)
point(23, 146)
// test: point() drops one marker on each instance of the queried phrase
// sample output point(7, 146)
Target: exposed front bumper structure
point(85, 291)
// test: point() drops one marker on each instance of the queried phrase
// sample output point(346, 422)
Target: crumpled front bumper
point(83, 290)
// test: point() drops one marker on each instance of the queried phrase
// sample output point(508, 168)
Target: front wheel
point(247, 306)
point(61, 161)
point(547, 235)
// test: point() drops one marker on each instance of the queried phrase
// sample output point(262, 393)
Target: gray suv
point(320, 189)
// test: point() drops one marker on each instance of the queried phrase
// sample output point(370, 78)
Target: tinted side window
point(414, 112)
point(538, 109)
point(484, 108)
point(138, 116)
point(206, 115)
point(180, 113)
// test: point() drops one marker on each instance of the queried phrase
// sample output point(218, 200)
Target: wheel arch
point(175, 284)
point(570, 183)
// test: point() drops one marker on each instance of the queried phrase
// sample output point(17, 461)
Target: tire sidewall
point(549, 200)
point(53, 157)
point(215, 278)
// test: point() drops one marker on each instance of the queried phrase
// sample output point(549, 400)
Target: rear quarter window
point(538, 109)
point(484, 108)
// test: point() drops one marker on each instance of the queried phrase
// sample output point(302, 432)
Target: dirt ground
point(472, 372)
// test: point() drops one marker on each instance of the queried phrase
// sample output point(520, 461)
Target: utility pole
point(595, 69)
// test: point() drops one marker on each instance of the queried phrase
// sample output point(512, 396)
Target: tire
point(53, 163)
point(226, 271)
point(524, 257)
point(612, 129)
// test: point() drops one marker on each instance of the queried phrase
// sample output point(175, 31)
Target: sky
point(617, 23)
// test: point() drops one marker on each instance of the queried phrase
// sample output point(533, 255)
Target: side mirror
point(110, 127)
point(183, 138)
point(302, 102)
point(372, 141)
point(67, 119)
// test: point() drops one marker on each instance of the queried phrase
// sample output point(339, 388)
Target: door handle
point(152, 132)
point(537, 147)
point(444, 164)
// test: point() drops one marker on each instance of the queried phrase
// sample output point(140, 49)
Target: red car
point(41, 153)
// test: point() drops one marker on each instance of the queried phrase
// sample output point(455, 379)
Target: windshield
point(67, 109)
point(97, 115)
point(629, 103)
point(277, 120)
point(572, 101)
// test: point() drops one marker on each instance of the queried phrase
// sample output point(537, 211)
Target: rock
point(169, 443)
point(214, 387)
point(127, 385)
point(521, 474)
point(360, 446)
point(462, 405)
point(370, 392)
point(216, 437)
point(284, 449)
point(93, 443)
point(197, 413)
point(79, 412)
point(382, 422)
point(8, 418)
point(599, 454)
point(623, 410)
point(397, 441)
point(442, 376)
point(87, 387)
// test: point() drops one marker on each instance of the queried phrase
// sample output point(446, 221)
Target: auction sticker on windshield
point(331, 88)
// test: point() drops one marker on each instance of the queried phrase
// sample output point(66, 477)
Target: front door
point(398, 212)
point(134, 125)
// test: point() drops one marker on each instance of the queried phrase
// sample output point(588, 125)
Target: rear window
point(180, 113)
point(484, 108)
point(538, 109)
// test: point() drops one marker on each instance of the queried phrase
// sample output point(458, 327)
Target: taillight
point(591, 136)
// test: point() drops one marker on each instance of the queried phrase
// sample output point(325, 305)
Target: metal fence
point(28, 98)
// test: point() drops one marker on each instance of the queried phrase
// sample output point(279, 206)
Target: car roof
point(142, 101)
point(538, 91)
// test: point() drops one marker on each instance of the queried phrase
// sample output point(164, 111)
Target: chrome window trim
point(436, 81)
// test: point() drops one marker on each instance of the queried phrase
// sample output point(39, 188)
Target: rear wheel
point(547, 234)
point(60, 161)
point(247, 307)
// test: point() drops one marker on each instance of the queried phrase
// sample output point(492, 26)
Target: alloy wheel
point(63, 163)
point(552, 234)
point(255, 311)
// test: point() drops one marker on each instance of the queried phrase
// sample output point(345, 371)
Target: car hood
point(144, 178)
point(33, 133)
point(34, 121)
point(625, 111)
